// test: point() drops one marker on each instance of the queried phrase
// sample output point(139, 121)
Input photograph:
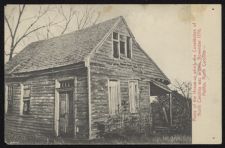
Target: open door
point(66, 116)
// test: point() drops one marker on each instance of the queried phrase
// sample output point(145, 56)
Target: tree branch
point(23, 36)
point(21, 10)
point(10, 29)
point(180, 87)
point(66, 18)
point(83, 18)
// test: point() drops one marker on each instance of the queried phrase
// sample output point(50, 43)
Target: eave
point(20, 76)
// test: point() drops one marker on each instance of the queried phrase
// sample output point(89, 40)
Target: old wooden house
point(64, 85)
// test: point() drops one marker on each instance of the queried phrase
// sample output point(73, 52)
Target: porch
point(161, 107)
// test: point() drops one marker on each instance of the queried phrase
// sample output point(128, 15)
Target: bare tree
point(67, 17)
point(86, 17)
point(80, 18)
point(185, 89)
point(83, 17)
point(15, 37)
point(62, 18)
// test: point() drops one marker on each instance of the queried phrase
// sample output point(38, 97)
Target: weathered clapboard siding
point(144, 88)
point(71, 62)
point(16, 99)
point(104, 68)
point(41, 117)
point(40, 120)
point(99, 100)
point(80, 101)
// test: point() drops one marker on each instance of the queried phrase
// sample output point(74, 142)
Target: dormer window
point(121, 46)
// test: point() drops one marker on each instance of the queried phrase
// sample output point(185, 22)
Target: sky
point(163, 31)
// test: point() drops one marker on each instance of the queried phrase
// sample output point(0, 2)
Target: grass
point(13, 139)
point(174, 139)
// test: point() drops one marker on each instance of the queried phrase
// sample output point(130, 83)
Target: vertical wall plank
point(89, 98)
point(21, 98)
point(56, 118)
point(6, 97)
point(75, 106)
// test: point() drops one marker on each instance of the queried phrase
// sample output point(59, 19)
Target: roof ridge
point(79, 30)
point(104, 37)
point(92, 34)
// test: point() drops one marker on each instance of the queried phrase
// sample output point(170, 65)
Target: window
point(66, 84)
point(26, 100)
point(121, 45)
point(115, 35)
point(10, 98)
point(114, 97)
point(128, 47)
point(133, 96)
point(115, 49)
point(115, 45)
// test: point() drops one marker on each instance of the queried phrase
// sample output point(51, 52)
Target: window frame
point(118, 45)
point(117, 35)
point(67, 83)
point(118, 40)
point(118, 49)
point(125, 44)
point(25, 100)
point(118, 96)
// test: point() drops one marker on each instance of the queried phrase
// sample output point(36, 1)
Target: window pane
point(128, 47)
point(26, 107)
point(67, 84)
point(122, 47)
point(26, 93)
point(62, 107)
point(115, 35)
point(122, 38)
point(115, 49)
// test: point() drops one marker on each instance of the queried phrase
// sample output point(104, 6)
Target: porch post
point(171, 116)
point(56, 118)
point(87, 64)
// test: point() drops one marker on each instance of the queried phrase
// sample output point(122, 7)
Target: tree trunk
point(10, 54)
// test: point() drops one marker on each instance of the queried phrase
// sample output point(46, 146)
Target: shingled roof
point(65, 50)
point(59, 51)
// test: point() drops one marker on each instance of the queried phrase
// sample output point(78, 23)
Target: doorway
point(66, 114)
